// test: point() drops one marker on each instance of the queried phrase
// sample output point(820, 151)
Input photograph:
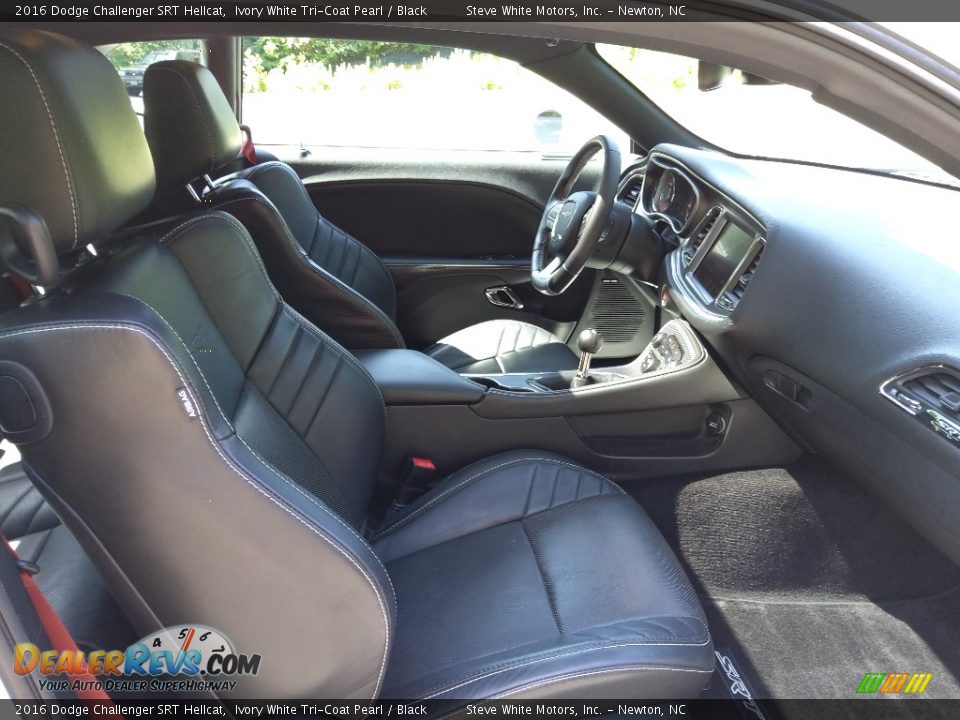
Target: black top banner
point(479, 10)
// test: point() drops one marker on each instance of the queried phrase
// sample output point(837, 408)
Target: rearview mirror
point(711, 76)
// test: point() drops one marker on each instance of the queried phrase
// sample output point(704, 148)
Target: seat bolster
point(666, 657)
point(648, 680)
point(330, 247)
point(494, 491)
point(343, 313)
point(276, 486)
point(24, 510)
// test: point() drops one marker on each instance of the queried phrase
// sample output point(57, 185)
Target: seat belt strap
point(57, 632)
point(248, 149)
point(22, 286)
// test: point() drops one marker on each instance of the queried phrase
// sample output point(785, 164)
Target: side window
point(358, 94)
point(132, 59)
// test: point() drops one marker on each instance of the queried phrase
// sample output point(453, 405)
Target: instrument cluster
point(668, 194)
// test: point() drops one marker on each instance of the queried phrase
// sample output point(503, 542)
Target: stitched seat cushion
point(525, 574)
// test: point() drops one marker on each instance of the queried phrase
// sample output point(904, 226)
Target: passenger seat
point(219, 454)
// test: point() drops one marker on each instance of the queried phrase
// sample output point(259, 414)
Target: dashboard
point(721, 243)
point(831, 302)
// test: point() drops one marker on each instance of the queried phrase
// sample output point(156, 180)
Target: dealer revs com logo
point(194, 653)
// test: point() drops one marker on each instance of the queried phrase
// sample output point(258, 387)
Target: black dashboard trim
point(851, 291)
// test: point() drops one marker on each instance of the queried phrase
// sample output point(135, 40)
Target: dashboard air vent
point(630, 192)
point(931, 395)
point(690, 249)
point(736, 292)
point(939, 390)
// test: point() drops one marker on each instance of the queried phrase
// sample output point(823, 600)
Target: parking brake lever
point(589, 341)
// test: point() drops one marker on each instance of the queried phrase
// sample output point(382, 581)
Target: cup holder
point(516, 383)
point(540, 383)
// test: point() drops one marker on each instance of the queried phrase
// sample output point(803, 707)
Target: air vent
point(931, 395)
point(736, 292)
point(941, 391)
point(630, 192)
point(690, 249)
point(616, 312)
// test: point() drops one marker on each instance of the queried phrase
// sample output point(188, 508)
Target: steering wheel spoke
point(553, 266)
point(586, 219)
point(553, 212)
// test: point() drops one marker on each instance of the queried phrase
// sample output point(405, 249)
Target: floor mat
point(806, 532)
point(810, 581)
point(823, 650)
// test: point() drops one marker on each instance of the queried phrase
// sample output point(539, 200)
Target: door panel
point(435, 219)
point(440, 298)
point(444, 205)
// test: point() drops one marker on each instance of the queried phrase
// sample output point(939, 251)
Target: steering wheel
point(573, 222)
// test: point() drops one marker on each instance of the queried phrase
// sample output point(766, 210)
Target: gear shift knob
point(589, 341)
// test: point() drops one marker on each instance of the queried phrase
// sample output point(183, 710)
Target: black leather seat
point(333, 279)
point(525, 575)
point(216, 453)
point(66, 576)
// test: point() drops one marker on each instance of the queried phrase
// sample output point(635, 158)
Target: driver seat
point(334, 280)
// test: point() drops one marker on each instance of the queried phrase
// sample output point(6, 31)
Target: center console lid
point(408, 377)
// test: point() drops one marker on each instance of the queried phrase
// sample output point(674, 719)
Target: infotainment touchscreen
point(724, 257)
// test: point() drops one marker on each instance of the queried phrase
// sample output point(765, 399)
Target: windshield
point(748, 115)
point(938, 39)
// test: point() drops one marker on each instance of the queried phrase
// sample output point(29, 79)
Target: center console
point(673, 349)
point(671, 410)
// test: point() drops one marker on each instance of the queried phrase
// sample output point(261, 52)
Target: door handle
point(503, 296)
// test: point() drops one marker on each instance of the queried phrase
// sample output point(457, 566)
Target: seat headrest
point(188, 121)
point(71, 148)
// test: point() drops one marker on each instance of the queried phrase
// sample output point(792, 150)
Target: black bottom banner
point(377, 709)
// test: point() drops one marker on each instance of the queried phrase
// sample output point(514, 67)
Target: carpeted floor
point(822, 650)
point(810, 582)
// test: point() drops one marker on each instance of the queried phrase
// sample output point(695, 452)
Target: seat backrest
point(324, 272)
point(213, 451)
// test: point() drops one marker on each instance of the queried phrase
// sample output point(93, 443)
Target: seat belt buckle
point(419, 465)
point(27, 567)
point(416, 478)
